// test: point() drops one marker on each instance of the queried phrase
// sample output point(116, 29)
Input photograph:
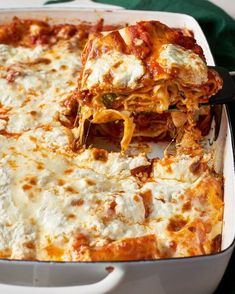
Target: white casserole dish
point(199, 274)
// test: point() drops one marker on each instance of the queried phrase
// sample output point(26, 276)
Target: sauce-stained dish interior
point(61, 203)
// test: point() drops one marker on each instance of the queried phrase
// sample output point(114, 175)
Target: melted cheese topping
point(190, 68)
point(34, 81)
point(124, 70)
point(50, 196)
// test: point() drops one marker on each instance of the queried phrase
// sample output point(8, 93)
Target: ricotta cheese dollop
point(189, 66)
point(125, 70)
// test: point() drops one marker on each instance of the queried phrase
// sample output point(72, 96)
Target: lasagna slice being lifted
point(137, 73)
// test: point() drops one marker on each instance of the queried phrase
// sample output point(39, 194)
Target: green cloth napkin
point(219, 29)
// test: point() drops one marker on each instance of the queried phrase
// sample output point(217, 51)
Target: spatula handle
point(227, 93)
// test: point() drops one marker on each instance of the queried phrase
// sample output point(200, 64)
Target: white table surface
point(227, 5)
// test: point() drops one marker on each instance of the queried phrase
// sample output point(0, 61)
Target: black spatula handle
point(227, 93)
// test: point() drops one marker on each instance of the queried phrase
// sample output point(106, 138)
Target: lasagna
point(140, 71)
point(60, 204)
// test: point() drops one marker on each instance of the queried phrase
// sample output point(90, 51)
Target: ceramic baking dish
point(191, 275)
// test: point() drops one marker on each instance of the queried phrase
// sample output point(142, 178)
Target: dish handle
point(109, 283)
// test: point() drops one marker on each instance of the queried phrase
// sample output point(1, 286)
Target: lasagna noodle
point(168, 93)
point(102, 117)
point(108, 115)
point(157, 99)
